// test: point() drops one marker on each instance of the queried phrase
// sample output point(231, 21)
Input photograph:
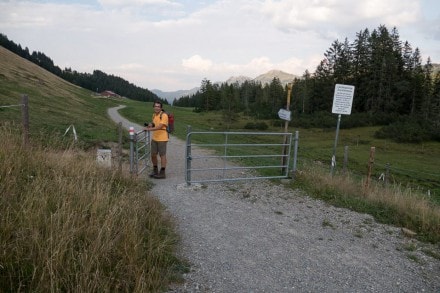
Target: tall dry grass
point(68, 225)
point(391, 204)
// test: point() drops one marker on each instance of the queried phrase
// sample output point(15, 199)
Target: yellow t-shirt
point(160, 134)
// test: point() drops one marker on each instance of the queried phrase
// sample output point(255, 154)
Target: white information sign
point(343, 99)
point(284, 114)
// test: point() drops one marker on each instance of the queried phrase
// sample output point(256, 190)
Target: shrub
point(408, 130)
point(277, 123)
point(261, 125)
point(249, 125)
point(258, 125)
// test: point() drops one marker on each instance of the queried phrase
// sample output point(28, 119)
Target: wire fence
point(25, 117)
point(425, 182)
point(10, 106)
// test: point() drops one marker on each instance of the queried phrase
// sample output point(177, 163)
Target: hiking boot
point(161, 174)
point(155, 172)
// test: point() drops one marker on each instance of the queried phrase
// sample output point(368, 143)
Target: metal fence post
point(295, 153)
point(333, 162)
point(131, 132)
point(188, 155)
point(147, 148)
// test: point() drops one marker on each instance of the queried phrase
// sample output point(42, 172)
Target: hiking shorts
point(159, 147)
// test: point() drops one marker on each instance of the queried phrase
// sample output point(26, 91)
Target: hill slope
point(54, 104)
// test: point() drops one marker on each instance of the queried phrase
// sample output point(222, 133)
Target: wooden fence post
point(25, 119)
point(370, 166)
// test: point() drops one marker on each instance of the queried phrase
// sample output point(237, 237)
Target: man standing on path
point(159, 140)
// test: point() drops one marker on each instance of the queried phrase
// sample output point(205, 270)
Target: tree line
point(392, 89)
point(98, 81)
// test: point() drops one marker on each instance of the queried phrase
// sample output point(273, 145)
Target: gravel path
point(262, 237)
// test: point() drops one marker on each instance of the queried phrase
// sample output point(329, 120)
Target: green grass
point(69, 225)
point(54, 104)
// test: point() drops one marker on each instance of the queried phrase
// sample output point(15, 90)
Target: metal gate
point(231, 156)
point(140, 150)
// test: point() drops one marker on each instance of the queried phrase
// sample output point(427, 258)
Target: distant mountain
point(265, 78)
point(435, 68)
point(238, 79)
point(170, 96)
point(284, 77)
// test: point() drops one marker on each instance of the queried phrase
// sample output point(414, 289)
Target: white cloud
point(174, 44)
point(131, 66)
point(323, 16)
point(137, 3)
point(197, 63)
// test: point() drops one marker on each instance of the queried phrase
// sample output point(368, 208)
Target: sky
point(174, 44)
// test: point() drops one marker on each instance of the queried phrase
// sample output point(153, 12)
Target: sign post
point(342, 104)
point(285, 115)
